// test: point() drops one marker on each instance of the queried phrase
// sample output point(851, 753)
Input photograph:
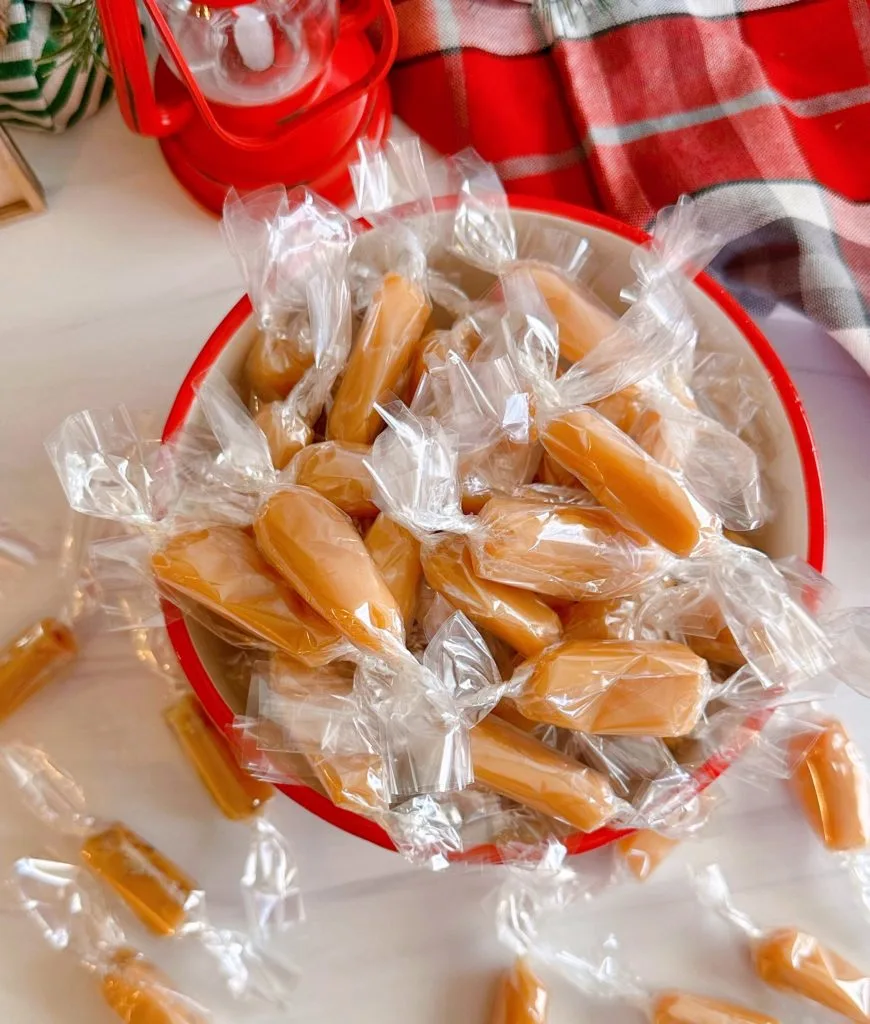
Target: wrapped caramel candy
point(318, 551)
point(435, 348)
point(396, 553)
point(516, 616)
point(237, 794)
point(158, 892)
point(643, 851)
point(686, 1008)
point(286, 432)
point(521, 997)
point(31, 660)
point(598, 620)
point(220, 568)
point(833, 789)
point(636, 687)
point(139, 993)
point(522, 768)
point(336, 470)
point(274, 366)
point(565, 550)
point(553, 474)
point(623, 478)
point(382, 351)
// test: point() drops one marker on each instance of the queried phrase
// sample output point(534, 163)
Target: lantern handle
point(363, 15)
point(134, 87)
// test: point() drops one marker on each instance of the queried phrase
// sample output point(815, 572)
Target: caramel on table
point(518, 766)
point(833, 789)
point(516, 616)
point(317, 549)
point(157, 891)
point(583, 323)
point(623, 478)
point(795, 962)
point(598, 620)
point(32, 659)
point(643, 851)
point(237, 794)
point(521, 997)
point(286, 432)
point(221, 568)
point(274, 366)
point(335, 469)
point(383, 348)
point(565, 550)
point(140, 994)
point(685, 1008)
point(396, 553)
point(616, 687)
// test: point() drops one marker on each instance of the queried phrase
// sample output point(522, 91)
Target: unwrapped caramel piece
point(275, 366)
point(583, 323)
point(396, 553)
point(520, 767)
point(598, 620)
point(643, 851)
point(317, 549)
point(140, 994)
point(565, 550)
point(521, 997)
point(32, 659)
point(158, 892)
point(221, 568)
point(286, 432)
point(685, 1008)
point(516, 616)
point(383, 349)
point(237, 794)
point(623, 478)
point(833, 789)
point(795, 962)
point(616, 687)
point(335, 469)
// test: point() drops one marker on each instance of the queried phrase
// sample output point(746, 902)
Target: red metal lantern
point(247, 94)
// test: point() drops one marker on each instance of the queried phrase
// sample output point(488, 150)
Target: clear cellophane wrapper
point(788, 959)
point(67, 906)
point(162, 896)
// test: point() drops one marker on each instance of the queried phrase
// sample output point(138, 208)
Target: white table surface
point(108, 298)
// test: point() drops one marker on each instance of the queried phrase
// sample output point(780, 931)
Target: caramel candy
point(685, 1008)
point(353, 780)
point(436, 346)
point(629, 410)
point(583, 323)
point(383, 349)
point(521, 997)
point(31, 660)
point(832, 787)
point(221, 569)
point(507, 711)
point(396, 553)
point(516, 616)
point(518, 766)
point(623, 478)
point(795, 962)
point(286, 432)
point(551, 473)
point(598, 620)
point(237, 794)
point(140, 994)
point(565, 550)
point(722, 648)
point(275, 366)
point(335, 470)
point(616, 687)
point(643, 851)
point(316, 548)
point(158, 892)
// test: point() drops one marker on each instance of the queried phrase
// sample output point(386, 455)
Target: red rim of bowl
point(320, 805)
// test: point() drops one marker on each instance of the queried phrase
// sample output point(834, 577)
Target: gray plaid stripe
point(528, 166)
point(616, 135)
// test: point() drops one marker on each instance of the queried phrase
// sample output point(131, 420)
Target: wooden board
point(20, 191)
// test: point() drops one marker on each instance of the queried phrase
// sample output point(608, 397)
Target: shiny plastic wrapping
point(30, 660)
point(791, 960)
point(159, 893)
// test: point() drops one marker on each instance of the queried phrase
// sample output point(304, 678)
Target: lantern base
point(333, 183)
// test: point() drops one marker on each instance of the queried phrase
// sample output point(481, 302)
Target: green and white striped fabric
point(34, 91)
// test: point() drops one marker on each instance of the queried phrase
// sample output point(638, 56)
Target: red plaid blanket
point(760, 110)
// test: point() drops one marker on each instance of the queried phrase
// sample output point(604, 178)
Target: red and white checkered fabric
point(761, 110)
